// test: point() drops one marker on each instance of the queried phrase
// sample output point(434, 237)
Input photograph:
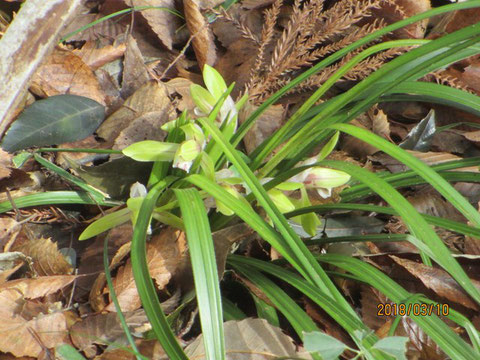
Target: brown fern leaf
point(245, 30)
point(367, 66)
point(311, 34)
point(440, 77)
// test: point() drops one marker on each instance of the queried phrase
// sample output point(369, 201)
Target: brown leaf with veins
point(439, 281)
point(140, 117)
point(65, 73)
point(18, 331)
point(135, 72)
point(203, 40)
point(164, 254)
point(96, 57)
point(104, 328)
point(5, 162)
point(47, 260)
point(39, 286)
point(162, 22)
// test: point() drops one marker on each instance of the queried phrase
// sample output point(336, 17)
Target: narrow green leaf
point(146, 288)
point(105, 223)
point(95, 193)
point(339, 54)
point(55, 198)
point(205, 273)
point(437, 182)
point(441, 333)
point(415, 223)
point(55, 120)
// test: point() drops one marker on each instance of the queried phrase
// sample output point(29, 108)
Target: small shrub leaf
point(327, 346)
point(393, 345)
point(55, 120)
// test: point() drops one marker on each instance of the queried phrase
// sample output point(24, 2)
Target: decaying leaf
point(439, 281)
point(47, 260)
point(141, 117)
point(164, 254)
point(105, 329)
point(135, 72)
point(65, 73)
point(5, 163)
point(20, 333)
point(95, 57)
point(203, 41)
point(162, 21)
point(39, 286)
point(265, 125)
point(250, 339)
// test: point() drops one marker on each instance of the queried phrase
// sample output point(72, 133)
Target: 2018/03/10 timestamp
point(387, 309)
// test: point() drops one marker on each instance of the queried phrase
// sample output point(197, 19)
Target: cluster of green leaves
point(199, 159)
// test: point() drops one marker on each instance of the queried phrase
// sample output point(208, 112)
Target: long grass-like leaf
point(205, 273)
point(303, 257)
point(405, 67)
point(443, 335)
point(432, 220)
point(415, 223)
point(353, 325)
point(279, 135)
point(55, 198)
point(97, 194)
point(118, 308)
point(146, 288)
point(437, 182)
point(434, 93)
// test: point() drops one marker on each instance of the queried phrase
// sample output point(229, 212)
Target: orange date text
point(415, 309)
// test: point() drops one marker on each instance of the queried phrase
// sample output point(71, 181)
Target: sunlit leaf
point(55, 120)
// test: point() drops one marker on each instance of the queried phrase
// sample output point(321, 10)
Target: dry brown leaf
point(406, 8)
point(181, 87)
point(439, 281)
point(162, 22)
point(9, 229)
point(267, 123)
point(235, 65)
point(96, 57)
point(40, 286)
point(47, 260)
point(473, 136)
point(164, 254)
point(432, 203)
point(223, 241)
point(135, 72)
point(18, 333)
point(102, 32)
point(91, 260)
point(248, 339)
point(151, 349)
point(104, 328)
point(97, 299)
point(65, 73)
point(150, 105)
point(203, 40)
point(5, 162)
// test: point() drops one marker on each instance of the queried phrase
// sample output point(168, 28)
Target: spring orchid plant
point(195, 152)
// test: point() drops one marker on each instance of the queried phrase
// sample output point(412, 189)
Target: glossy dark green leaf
point(56, 120)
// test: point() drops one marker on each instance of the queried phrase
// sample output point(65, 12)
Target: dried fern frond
point(244, 30)
point(440, 77)
point(312, 33)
